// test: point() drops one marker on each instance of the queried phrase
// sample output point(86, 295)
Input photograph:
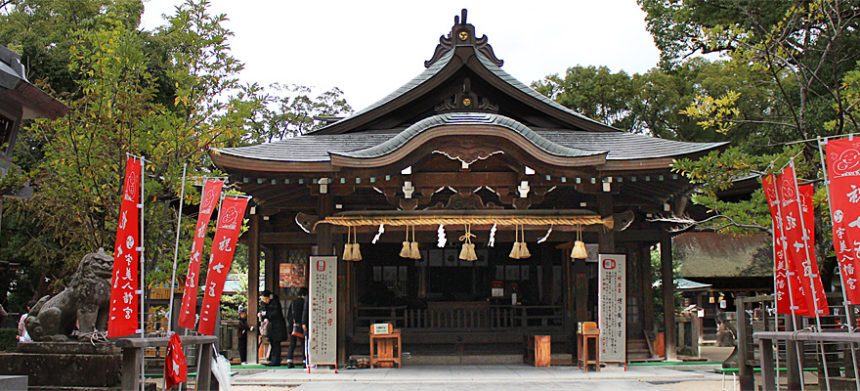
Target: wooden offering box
point(385, 347)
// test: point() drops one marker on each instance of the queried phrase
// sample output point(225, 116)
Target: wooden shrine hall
point(465, 146)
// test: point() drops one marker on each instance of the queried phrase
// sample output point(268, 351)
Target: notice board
point(323, 310)
point(612, 307)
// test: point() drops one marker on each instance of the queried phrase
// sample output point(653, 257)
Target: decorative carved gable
point(463, 34)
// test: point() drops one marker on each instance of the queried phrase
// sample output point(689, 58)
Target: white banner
point(612, 307)
point(323, 307)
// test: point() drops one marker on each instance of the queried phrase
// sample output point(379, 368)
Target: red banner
point(230, 217)
point(123, 313)
point(843, 171)
point(208, 202)
point(175, 366)
point(799, 242)
point(781, 283)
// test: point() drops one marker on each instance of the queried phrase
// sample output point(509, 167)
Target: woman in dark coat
point(243, 335)
point(278, 326)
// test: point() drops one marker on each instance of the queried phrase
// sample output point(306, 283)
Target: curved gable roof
point(450, 57)
point(438, 120)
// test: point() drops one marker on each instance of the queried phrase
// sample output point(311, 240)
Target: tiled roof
point(496, 70)
point(415, 82)
point(419, 127)
point(620, 145)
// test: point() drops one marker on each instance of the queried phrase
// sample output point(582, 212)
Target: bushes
point(8, 342)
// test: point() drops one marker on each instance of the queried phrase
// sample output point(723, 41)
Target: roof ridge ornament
point(463, 34)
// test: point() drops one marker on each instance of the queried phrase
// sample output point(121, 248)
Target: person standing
point(23, 335)
point(278, 327)
point(294, 321)
point(243, 335)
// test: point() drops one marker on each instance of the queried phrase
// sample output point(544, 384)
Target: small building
point(465, 145)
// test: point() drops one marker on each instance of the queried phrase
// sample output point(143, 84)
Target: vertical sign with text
point(612, 307)
point(123, 313)
point(323, 310)
point(230, 218)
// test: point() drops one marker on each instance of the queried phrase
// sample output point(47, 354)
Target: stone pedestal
point(65, 365)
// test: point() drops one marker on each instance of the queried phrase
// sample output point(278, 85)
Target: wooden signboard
point(612, 307)
point(323, 310)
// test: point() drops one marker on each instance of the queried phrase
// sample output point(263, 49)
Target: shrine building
point(465, 146)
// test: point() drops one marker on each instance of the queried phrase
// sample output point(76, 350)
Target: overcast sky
point(370, 48)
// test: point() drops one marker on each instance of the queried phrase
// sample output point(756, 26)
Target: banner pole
point(845, 302)
point(788, 274)
point(175, 257)
point(176, 251)
point(805, 238)
point(142, 271)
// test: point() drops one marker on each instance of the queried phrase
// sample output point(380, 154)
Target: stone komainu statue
point(85, 301)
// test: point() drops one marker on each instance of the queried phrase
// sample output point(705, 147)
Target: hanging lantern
point(524, 249)
point(579, 251)
point(414, 253)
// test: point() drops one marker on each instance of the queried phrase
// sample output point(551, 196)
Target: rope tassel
point(414, 253)
point(405, 251)
point(467, 253)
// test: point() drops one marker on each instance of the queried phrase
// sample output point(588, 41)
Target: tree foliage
point(795, 61)
point(170, 95)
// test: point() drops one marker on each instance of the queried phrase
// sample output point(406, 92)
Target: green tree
point(118, 106)
point(797, 60)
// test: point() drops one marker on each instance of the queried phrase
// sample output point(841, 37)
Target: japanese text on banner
point(223, 246)
point(798, 241)
point(843, 171)
point(123, 313)
point(208, 200)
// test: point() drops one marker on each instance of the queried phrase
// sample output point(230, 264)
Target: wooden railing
point(483, 317)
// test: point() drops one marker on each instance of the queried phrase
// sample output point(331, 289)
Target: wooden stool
point(538, 350)
point(588, 355)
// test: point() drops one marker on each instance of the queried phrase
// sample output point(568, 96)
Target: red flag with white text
point(123, 312)
point(843, 172)
point(781, 281)
point(230, 216)
point(799, 242)
point(175, 367)
point(208, 201)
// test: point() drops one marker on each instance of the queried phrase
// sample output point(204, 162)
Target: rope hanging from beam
point(357, 221)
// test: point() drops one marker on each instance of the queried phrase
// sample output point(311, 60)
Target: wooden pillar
point(546, 254)
point(253, 284)
point(744, 338)
point(668, 297)
point(647, 283)
point(605, 236)
point(271, 269)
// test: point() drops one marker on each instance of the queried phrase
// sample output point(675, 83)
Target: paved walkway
point(476, 378)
